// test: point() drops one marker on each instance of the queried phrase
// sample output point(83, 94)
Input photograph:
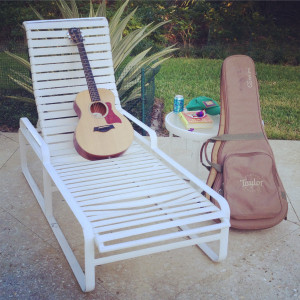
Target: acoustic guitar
point(102, 131)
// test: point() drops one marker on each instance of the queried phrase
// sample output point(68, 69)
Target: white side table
point(197, 137)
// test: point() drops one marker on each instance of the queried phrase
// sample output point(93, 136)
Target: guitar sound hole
point(99, 109)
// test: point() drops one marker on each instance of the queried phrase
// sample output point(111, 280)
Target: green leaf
point(21, 60)
point(66, 11)
point(25, 78)
point(101, 11)
point(23, 85)
point(126, 45)
point(37, 13)
point(116, 36)
point(113, 24)
point(135, 93)
point(135, 71)
point(20, 98)
point(74, 9)
point(132, 64)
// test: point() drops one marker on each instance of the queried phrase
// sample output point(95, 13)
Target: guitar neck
point(88, 73)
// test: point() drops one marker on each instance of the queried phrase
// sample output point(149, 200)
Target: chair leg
point(48, 210)
point(86, 280)
point(223, 244)
point(24, 165)
point(89, 257)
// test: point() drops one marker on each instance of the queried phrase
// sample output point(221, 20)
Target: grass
point(279, 90)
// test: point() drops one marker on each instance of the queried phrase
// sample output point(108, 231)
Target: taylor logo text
point(251, 183)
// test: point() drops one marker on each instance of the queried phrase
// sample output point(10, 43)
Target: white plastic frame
point(53, 163)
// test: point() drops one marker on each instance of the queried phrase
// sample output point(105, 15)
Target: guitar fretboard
point(88, 73)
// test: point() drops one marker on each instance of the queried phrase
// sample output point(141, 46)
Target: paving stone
point(261, 264)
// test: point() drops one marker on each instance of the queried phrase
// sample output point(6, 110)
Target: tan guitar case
point(242, 165)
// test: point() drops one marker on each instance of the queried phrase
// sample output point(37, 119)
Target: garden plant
point(127, 67)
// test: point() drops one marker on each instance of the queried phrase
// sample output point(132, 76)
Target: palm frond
point(37, 13)
point(123, 49)
point(135, 94)
point(22, 84)
point(158, 55)
point(114, 21)
point(133, 77)
point(135, 66)
point(66, 11)
point(27, 79)
point(21, 60)
point(22, 99)
point(101, 11)
point(74, 9)
point(132, 64)
point(116, 36)
point(127, 85)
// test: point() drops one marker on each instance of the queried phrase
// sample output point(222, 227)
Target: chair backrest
point(57, 71)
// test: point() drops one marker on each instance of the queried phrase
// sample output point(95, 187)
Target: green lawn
point(279, 90)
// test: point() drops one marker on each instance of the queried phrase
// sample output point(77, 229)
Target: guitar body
point(102, 131)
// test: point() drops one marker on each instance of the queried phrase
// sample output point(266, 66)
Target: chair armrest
point(199, 183)
point(41, 149)
point(151, 132)
point(35, 140)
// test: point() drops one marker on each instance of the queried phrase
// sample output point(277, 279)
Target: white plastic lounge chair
point(139, 203)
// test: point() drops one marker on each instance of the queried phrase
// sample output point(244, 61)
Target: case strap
point(239, 137)
point(211, 164)
point(223, 138)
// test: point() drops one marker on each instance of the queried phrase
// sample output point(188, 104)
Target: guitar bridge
point(104, 128)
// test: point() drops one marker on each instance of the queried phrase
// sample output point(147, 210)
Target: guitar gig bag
point(242, 166)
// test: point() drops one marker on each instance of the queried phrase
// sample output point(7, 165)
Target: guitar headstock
point(75, 35)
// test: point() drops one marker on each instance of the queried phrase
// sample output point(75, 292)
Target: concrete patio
point(262, 264)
